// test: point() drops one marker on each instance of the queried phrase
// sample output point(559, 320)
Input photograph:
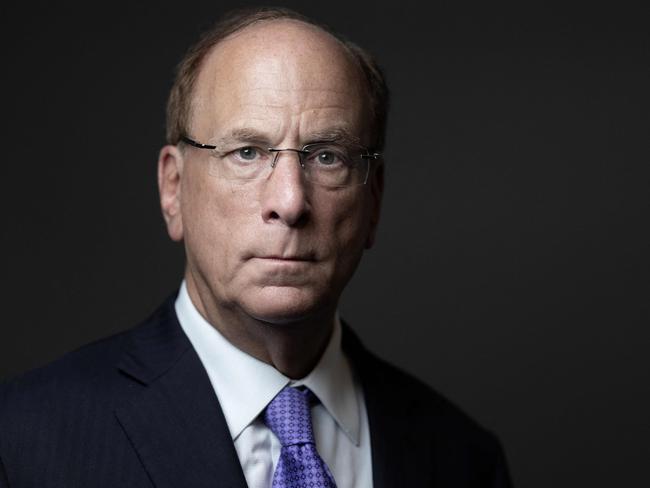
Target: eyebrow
point(240, 135)
point(334, 134)
point(253, 136)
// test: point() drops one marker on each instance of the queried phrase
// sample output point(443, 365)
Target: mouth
point(287, 259)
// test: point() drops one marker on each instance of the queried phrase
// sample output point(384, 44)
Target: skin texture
point(267, 260)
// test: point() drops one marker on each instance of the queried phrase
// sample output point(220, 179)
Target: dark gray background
point(511, 270)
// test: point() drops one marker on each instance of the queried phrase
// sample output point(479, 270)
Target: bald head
point(287, 42)
point(280, 64)
point(278, 38)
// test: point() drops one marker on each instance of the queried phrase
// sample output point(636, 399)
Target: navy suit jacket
point(138, 410)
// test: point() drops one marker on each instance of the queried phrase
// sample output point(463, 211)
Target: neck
point(293, 348)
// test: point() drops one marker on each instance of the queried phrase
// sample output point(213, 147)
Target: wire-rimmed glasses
point(326, 164)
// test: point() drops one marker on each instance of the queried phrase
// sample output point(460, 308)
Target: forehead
point(276, 73)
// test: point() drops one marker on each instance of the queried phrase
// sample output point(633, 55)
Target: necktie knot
point(288, 416)
point(299, 465)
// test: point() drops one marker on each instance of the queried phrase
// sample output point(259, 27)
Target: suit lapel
point(394, 440)
point(173, 419)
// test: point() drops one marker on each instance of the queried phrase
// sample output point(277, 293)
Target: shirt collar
point(245, 385)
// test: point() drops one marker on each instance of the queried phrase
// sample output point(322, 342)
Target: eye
point(327, 155)
point(247, 153)
point(326, 158)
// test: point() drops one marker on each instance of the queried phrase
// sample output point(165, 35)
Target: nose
point(284, 196)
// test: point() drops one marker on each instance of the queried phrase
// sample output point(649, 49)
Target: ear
point(376, 193)
point(170, 171)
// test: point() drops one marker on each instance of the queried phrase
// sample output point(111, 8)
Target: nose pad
point(299, 154)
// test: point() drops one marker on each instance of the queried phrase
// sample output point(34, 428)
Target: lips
point(287, 258)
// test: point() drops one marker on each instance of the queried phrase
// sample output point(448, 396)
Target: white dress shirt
point(245, 385)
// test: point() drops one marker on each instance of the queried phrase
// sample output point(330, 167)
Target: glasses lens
point(327, 164)
point(244, 163)
point(334, 165)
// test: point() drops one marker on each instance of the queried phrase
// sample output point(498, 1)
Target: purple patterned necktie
point(289, 417)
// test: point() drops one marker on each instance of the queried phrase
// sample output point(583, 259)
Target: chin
point(284, 305)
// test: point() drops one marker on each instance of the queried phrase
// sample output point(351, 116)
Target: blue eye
point(326, 157)
point(247, 153)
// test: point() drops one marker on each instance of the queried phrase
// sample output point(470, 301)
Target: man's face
point(282, 248)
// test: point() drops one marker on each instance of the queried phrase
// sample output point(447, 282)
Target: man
point(272, 179)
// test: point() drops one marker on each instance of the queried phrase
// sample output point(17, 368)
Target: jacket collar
point(176, 425)
point(173, 418)
point(154, 346)
point(394, 440)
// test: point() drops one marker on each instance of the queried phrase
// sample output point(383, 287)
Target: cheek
point(216, 216)
point(345, 225)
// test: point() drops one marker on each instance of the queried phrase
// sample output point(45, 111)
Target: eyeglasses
point(324, 163)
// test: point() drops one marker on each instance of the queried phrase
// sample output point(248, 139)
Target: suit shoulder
point(88, 362)
point(423, 405)
point(75, 375)
point(86, 376)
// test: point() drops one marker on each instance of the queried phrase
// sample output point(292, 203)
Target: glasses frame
point(371, 156)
